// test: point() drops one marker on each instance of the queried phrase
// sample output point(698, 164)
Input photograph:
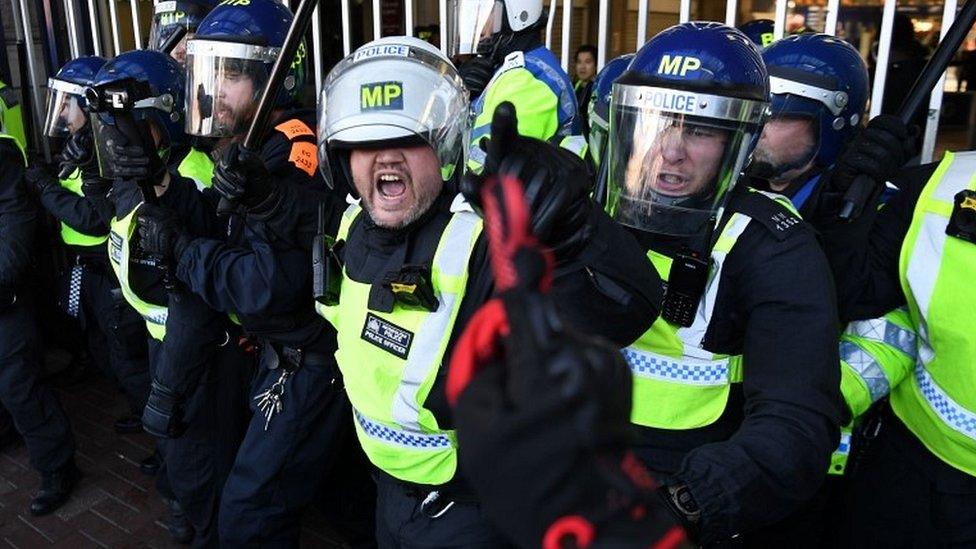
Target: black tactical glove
point(878, 151)
point(161, 234)
point(164, 413)
point(132, 163)
point(39, 178)
point(476, 73)
point(95, 186)
point(543, 415)
point(241, 176)
point(557, 182)
point(79, 152)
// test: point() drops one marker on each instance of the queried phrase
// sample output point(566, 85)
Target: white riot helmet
point(397, 90)
point(479, 22)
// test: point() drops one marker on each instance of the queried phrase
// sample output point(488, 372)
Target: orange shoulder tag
point(304, 156)
point(294, 128)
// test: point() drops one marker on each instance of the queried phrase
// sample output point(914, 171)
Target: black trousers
point(197, 463)
point(110, 318)
point(35, 409)
point(904, 496)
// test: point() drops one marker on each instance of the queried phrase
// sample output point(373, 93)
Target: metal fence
point(105, 24)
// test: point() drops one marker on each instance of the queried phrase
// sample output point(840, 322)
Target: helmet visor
point(790, 139)
point(172, 23)
point(470, 22)
point(224, 82)
point(65, 112)
point(388, 93)
point(673, 156)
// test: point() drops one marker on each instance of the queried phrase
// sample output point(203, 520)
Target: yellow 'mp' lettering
point(371, 96)
point(678, 65)
point(236, 3)
point(381, 96)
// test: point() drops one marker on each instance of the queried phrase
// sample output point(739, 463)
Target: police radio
point(686, 285)
point(326, 265)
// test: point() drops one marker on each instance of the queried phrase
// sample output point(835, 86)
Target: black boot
point(128, 425)
point(179, 527)
point(55, 489)
point(150, 465)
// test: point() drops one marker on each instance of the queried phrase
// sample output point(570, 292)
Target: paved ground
point(115, 505)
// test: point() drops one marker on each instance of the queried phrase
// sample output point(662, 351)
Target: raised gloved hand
point(79, 152)
point(542, 413)
point(878, 151)
point(241, 176)
point(557, 182)
point(476, 73)
point(161, 234)
point(164, 413)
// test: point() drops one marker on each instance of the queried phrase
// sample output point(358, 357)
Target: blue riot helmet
point(174, 21)
point(760, 31)
point(229, 60)
point(137, 99)
point(599, 107)
point(819, 88)
point(684, 117)
point(66, 96)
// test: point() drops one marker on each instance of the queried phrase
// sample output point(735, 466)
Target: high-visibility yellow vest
point(389, 361)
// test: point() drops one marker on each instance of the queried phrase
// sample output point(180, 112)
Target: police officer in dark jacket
point(196, 402)
point(93, 295)
point(259, 270)
point(736, 387)
point(36, 413)
point(916, 255)
point(409, 268)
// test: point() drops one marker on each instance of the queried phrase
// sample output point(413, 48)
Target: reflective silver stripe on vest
point(954, 415)
point(687, 372)
point(923, 264)
point(866, 368)
point(451, 259)
point(693, 335)
point(419, 441)
point(922, 272)
point(883, 331)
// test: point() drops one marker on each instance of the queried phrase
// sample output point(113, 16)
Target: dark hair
point(586, 48)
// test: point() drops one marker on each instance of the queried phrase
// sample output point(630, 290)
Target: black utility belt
point(292, 358)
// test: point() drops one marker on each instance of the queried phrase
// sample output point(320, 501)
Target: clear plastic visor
point(470, 22)
point(673, 156)
point(224, 83)
point(789, 140)
point(65, 114)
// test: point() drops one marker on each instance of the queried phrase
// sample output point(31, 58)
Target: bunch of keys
point(269, 402)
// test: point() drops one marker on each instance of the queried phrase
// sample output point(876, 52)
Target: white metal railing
point(77, 30)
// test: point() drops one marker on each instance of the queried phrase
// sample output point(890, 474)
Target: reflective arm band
point(876, 355)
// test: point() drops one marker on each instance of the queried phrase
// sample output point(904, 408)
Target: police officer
point(92, 294)
point(409, 269)
point(13, 116)
point(819, 87)
point(910, 261)
point(760, 31)
point(174, 22)
point(599, 107)
point(736, 387)
point(36, 413)
point(136, 101)
point(512, 64)
point(258, 268)
point(517, 367)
